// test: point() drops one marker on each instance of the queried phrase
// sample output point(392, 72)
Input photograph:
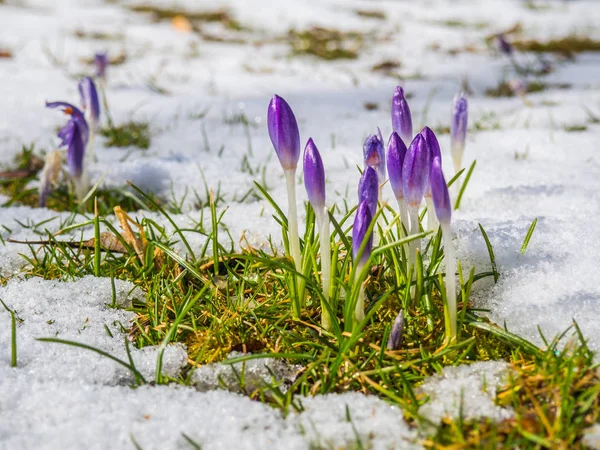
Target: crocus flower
point(458, 130)
point(395, 339)
point(415, 171)
point(285, 136)
point(503, 45)
point(395, 159)
point(314, 181)
point(362, 222)
point(314, 177)
point(89, 101)
point(439, 192)
point(74, 136)
point(401, 117)
point(284, 133)
point(101, 63)
point(368, 189)
point(374, 154)
point(434, 152)
point(49, 175)
point(415, 176)
point(443, 210)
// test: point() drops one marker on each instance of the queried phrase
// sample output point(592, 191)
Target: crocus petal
point(368, 189)
point(374, 155)
point(76, 150)
point(459, 121)
point(362, 222)
point(432, 143)
point(89, 100)
point(503, 45)
point(284, 133)
point(401, 117)
point(415, 171)
point(439, 192)
point(314, 176)
point(395, 160)
point(75, 113)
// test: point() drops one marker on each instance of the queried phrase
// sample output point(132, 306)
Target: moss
point(503, 89)
point(567, 46)
point(325, 43)
point(135, 134)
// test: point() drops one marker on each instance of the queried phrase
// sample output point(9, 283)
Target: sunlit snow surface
point(528, 166)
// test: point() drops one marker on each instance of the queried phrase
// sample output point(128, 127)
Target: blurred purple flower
point(374, 154)
point(314, 176)
point(284, 133)
point(439, 192)
point(401, 117)
point(74, 135)
point(503, 45)
point(89, 101)
point(459, 121)
point(368, 189)
point(415, 171)
point(362, 222)
point(101, 63)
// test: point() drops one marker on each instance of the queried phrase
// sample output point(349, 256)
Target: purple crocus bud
point(89, 101)
point(74, 135)
point(432, 143)
point(314, 176)
point(362, 222)
point(503, 45)
point(395, 160)
point(439, 192)
point(415, 171)
point(368, 189)
point(401, 117)
point(458, 129)
point(101, 63)
point(284, 134)
point(374, 154)
point(395, 339)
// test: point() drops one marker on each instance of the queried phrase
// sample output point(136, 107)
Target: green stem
point(323, 224)
point(450, 261)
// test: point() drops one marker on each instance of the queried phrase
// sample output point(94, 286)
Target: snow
point(469, 390)
point(528, 166)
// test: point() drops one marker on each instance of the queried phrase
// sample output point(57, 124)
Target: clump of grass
point(504, 89)
point(19, 183)
point(567, 46)
point(195, 17)
point(370, 14)
point(132, 133)
point(325, 43)
point(575, 128)
point(387, 67)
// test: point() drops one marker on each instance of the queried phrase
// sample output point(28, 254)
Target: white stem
point(90, 154)
point(403, 216)
point(359, 311)
point(293, 237)
point(450, 261)
point(432, 222)
point(81, 185)
point(457, 152)
point(415, 245)
point(323, 224)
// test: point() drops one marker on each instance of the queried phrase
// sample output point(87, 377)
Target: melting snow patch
point(245, 375)
point(467, 389)
point(591, 438)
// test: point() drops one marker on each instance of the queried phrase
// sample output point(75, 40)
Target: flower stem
point(432, 222)
point(293, 238)
point(359, 311)
point(403, 217)
point(450, 261)
point(323, 224)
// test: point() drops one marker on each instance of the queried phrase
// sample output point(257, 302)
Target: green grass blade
point(528, 236)
point(464, 185)
point(490, 250)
